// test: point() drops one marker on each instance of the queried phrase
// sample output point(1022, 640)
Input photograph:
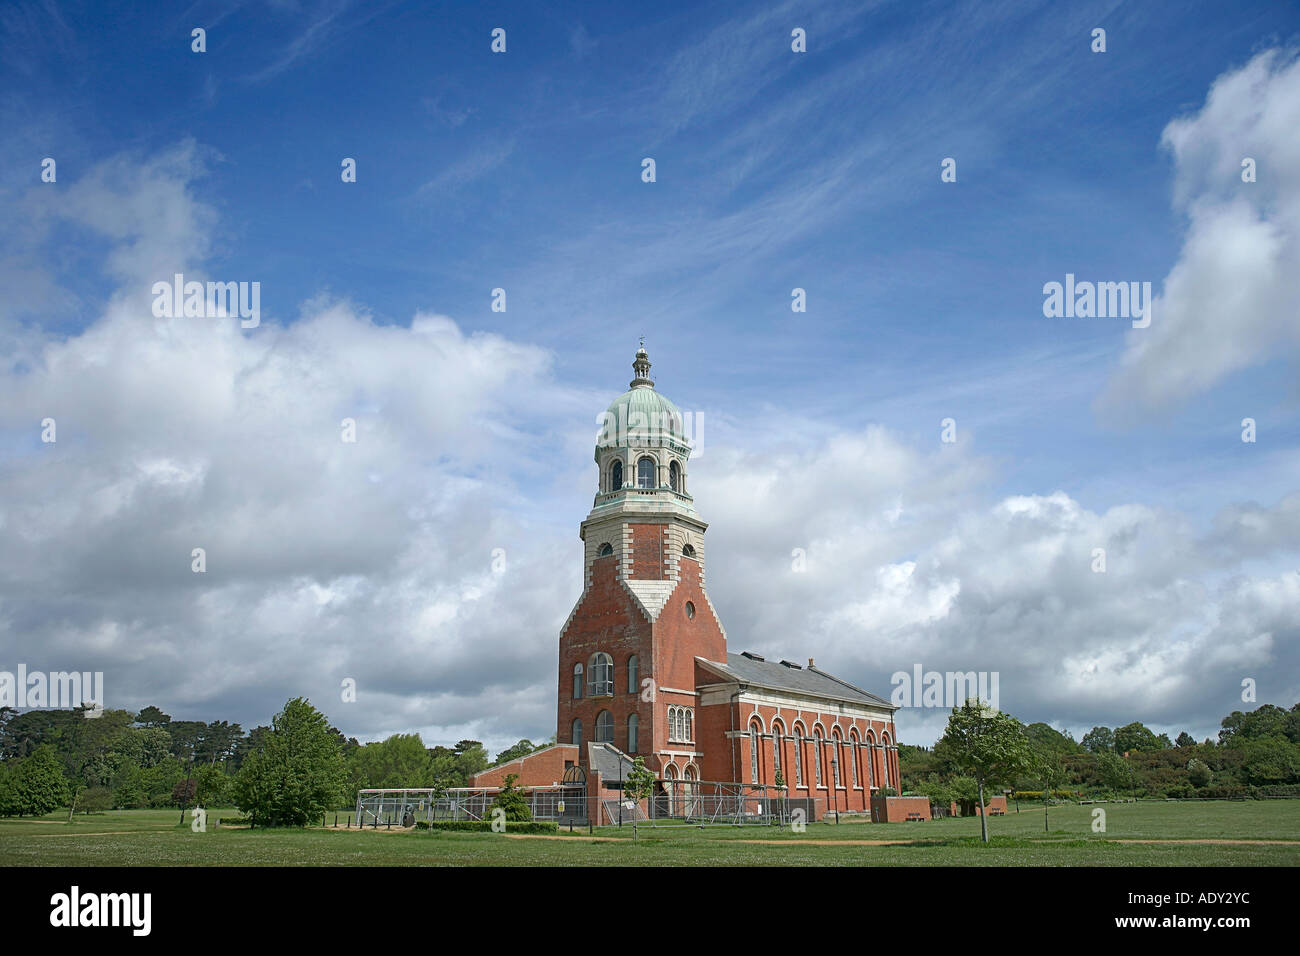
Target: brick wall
point(540, 769)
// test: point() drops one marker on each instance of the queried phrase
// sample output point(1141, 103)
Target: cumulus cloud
point(905, 563)
point(1231, 301)
point(375, 560)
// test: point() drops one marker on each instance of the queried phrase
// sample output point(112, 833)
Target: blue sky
point(775, 170)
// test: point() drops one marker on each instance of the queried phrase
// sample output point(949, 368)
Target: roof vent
point(792, 664)
point(752, 657)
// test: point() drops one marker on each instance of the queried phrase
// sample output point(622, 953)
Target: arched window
point(817, 755)
point(798, 755)
point(577, 682)
point(600, 675)
point(632, 726)
point(776, 747)
point(835, 756)
point(688, 551)
point(645, 473)
point(688, 792)
point(853, 757)
point(674, 477)
point(576, 733)
point(633, 674)
point(871, 761)
point(886, 772)
point(606, 549)
point(604, 728)
point(615, 475)
point(670, 787)
point(753, 752)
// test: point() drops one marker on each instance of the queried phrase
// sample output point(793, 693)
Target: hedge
point(485, 826)
point(1038, 795)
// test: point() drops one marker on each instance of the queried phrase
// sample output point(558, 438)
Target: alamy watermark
point(659, 430)
point(1098, 300)
point(946, 689)
point(215, 300)
point(54, 689)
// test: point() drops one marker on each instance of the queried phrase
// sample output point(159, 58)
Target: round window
point(690, 609)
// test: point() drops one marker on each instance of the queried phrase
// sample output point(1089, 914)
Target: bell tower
point(628, 649)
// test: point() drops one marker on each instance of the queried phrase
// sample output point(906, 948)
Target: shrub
point(513, 801)
point(485, 826)
point(422, 824)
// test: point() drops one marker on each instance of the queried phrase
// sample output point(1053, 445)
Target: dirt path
point(1221, 842)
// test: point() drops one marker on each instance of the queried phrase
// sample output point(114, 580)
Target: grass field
point(153, 838)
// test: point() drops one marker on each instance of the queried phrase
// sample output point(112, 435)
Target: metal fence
point(403, 807)
point(707, 802)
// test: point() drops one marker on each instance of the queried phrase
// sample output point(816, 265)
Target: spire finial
point(642, 367)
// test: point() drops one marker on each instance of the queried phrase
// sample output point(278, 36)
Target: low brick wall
point(899, 809)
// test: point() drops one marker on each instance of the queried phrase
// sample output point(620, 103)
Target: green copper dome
point(641, 414)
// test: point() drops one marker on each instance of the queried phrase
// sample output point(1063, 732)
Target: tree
point(1046, 738)
point(639, 784)
point(1052, 772)
point(1270, 761)
point(1186, 740)
point(513, 801)
point(1114, 772)
point(1099, 740)
point(521, 749)
point(36, 786)
point(964, 792)
point(1268, 720)
point(152, 717)
point(989, 745)
point(1134, 737)
point(1198, 772)
point(297, 774)
point(399, 761)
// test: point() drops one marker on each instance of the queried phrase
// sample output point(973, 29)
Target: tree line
point(287, 772)
point(1257, 754)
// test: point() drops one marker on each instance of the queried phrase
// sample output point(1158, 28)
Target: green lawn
point(152, 837)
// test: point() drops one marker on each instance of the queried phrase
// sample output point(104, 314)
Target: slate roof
point(780, 676)
point(605, 759)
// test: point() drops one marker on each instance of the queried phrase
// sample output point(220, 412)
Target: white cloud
point(372, 560)
point(1231, 301)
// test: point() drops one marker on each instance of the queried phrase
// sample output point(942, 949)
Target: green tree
point(36, 786)
point(1270, 761)
point(638, 785)
point(965, 792)
point(1047, 739)
point(1198, 772)
point(513, 801)
point(1099, 740)
point(152, 717)
point(521, 749)
point(1051, 771)
point(1114, 771)
point(989, 745)
point(1186, 740)
point(399, 761)
point(298, 774)
point(1268, 720)
point(1135, 737)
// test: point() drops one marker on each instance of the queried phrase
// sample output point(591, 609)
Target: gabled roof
point(752, 669)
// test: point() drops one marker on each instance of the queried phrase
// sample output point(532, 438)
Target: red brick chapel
point(643, 663)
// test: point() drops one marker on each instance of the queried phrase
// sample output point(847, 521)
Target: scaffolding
point(710, 803)
point(405, 806)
